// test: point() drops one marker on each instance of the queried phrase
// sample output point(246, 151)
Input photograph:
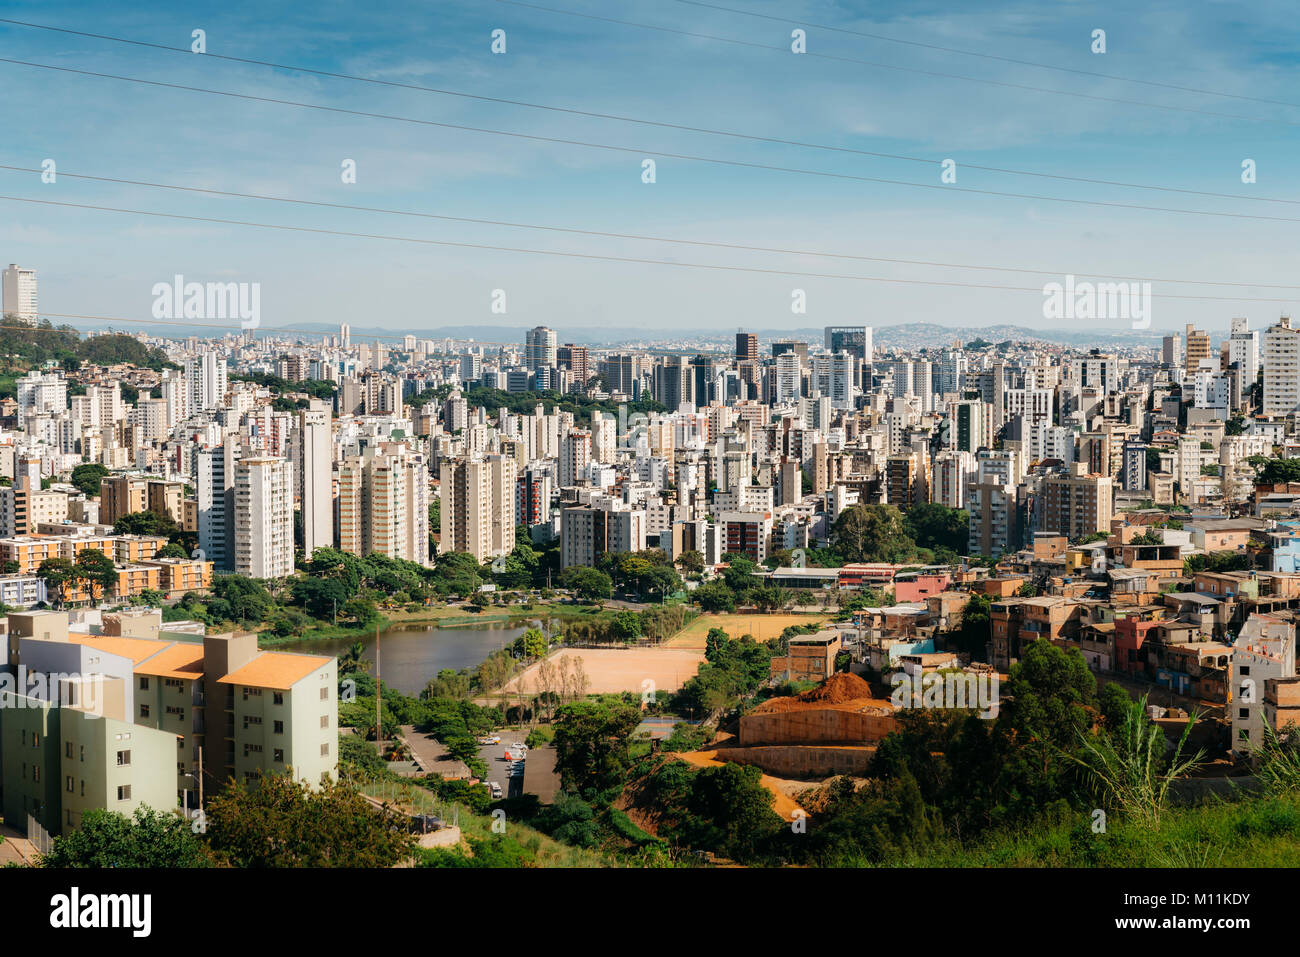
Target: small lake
point(414, 653)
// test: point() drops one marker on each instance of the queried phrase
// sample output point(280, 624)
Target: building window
point(324, 721)
point(144, 711)
point(67, 749)
point(251, 719)
point(1243, 713)
point(325, 749)
point(124, 792)
point(36, 773)
point(36, 739)
point(83, 753)
point(279, 755)
point(144, 684)
point(71, 785)
point(278, 698)
point(325, 694)
point(278, 727)
point(123, 758)
point(83, 787)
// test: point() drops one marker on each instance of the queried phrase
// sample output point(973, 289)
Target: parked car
point(495, 789)
point(490, 739)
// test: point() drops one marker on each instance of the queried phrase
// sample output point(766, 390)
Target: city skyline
point(184, 138)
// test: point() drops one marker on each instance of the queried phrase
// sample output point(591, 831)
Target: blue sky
point(101, 263)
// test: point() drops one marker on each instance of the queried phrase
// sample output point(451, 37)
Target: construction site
point(831, 729)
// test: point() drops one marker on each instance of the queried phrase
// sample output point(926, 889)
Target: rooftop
point(276, 670)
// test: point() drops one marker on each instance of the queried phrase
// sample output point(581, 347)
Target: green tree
point(691, 562)
point(932, 525)
point(145, 523)
point(87, 478)
point(148, 839)
point(1276, 471)
point(592, 752)
point(57, 573)
point(587, 584)
point(872, 533)
point(626, 626)
point(531, 644)
point(715, 596)
point(280, 822)
point(732, 812)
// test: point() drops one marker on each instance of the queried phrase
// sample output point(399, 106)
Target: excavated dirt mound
point(837, 689)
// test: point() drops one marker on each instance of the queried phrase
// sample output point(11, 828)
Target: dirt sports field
point(762, 627)
point(613, 670)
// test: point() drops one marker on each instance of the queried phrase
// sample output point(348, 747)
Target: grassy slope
point(1254, 832)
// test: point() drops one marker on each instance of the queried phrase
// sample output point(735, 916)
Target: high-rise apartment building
point(41, 393)
point(746, 347)
point(383, 503)
point(576, 360)
point(478, 506)
point(263, 518)
point(1281, 368)
point(539, 348)
point(855, 340)
point(19, 294)
point(1198, 349)
point(1078, 504)
point(214, 485)
point(314, 467)
point(1243, 349)
point(575, 457)
point(205, 382)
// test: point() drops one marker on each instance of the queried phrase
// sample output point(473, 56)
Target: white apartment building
point(1281, 368)
point(205, 382)
point(263, 518)
point(19, 295)
point(314, 461)
point(41, 393)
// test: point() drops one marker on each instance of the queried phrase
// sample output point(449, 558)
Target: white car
point(518, 747)
point(495, 789)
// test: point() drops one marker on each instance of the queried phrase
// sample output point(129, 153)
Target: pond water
point(414, 653)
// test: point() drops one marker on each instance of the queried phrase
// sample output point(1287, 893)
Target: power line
point(621, 118)
point(593, 256)
point(989, 56)
point(890, 66)
point(633, 236)
point(650, 152)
